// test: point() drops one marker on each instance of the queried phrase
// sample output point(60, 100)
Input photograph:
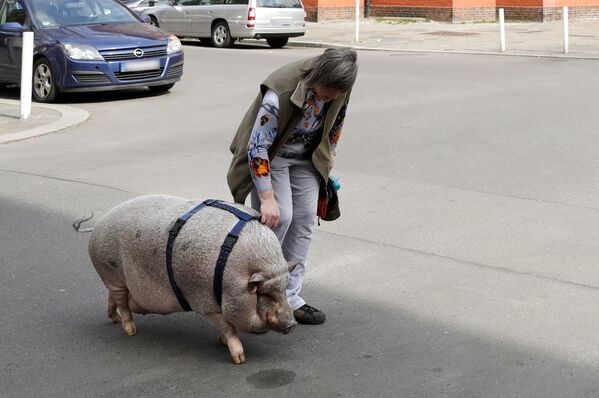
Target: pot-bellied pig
point(128, 250)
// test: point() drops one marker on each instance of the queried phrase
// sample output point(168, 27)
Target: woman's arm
point(263, 135)
point(335, 132)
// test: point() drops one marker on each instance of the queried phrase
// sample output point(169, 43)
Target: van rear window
point(279, 3)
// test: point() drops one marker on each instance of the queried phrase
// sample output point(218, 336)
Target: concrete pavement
point(463, 265)
point(401, 34)
point(382, 34)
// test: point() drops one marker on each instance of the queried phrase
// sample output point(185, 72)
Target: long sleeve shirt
point(301, 142)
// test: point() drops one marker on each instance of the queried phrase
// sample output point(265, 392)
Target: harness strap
point(172, 234)
point(221, 262)
point(225, 250)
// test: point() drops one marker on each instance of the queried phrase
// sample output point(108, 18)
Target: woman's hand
point(269, 208)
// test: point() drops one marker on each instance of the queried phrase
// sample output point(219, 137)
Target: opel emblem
point(138, 52)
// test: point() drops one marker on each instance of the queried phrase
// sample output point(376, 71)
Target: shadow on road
point(237, 45)
point(57, 340)
point(13, 93)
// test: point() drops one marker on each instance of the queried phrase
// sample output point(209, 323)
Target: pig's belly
point(147, 298)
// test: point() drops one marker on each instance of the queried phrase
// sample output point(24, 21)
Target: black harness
point(225, 249)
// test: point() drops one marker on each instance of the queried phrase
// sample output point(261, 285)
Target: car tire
point(221, 36)
point(163, 88)
point(44, 82)
point(277, 42)
point(154, 21)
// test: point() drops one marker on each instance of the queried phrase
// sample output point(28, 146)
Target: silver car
point(138, 6)
point(224, 21)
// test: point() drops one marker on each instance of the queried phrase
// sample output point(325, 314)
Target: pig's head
point(255, 299)
point(273, 311)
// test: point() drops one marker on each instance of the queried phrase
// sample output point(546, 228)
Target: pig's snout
point(289, 328)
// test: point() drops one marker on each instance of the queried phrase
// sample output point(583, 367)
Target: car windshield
point(52, 13)
point(279, 3)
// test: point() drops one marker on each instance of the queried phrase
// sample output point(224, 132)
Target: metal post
point(357, 20)
point(26, 74)
point(501, 30)
point(566, 34)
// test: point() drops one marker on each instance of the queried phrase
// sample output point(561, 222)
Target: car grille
point(128, 53)
point(146, 74)
point(91, 77)
point(175, 70)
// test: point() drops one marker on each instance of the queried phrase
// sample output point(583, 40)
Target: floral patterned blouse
point(301, 142)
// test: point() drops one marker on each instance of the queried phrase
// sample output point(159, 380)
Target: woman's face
point(327, 93)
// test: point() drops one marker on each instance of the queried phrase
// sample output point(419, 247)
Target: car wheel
point(162, 88)
point(154, 21)
point(277, 42)
point(221, 37)
point(44, 82)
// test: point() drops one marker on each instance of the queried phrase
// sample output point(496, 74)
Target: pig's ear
point(291, 265)
point(255, 280)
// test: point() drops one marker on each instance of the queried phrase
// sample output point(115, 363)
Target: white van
point(224, 21)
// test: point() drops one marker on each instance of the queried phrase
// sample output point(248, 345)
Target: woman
point(284, 150)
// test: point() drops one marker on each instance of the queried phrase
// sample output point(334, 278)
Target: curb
point(315, 44)
point(70, 116)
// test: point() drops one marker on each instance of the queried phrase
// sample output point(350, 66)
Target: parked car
point(86, 45)
point(138, 6)
point(224, 21)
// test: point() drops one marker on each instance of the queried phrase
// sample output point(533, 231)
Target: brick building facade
point(452, 10)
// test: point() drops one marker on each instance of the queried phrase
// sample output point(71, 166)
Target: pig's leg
point(111, 309)
point(121, 297)
point(227, 336)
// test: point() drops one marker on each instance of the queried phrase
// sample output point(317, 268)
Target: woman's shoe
point(309, 315)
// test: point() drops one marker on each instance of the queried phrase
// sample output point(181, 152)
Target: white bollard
point(26, 74)
point(501, 30)
point(566, 34)
point(357, 20)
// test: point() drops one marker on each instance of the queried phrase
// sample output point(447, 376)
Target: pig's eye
point(266, 296)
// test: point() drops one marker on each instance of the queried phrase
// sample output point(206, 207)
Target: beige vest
point(292, 93)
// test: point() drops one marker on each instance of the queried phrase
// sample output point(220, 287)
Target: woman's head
point(335, 69)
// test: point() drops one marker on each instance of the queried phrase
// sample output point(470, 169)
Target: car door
point(203, 15)
point(11, 40)
point(176, 19)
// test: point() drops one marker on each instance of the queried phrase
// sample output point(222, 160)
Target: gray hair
point(335, 68)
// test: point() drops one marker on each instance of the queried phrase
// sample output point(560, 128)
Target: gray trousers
point(295, 184)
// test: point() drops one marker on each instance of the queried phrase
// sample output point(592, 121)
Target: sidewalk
point(45, 118)
point(410, 34)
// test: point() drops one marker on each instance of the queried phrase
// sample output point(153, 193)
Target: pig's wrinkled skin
point(128, 246)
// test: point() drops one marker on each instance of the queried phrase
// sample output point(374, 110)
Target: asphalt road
point(463, 264)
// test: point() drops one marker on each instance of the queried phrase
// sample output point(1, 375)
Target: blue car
point(86, 45)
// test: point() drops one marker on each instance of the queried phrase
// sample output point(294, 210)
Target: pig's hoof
point(115, 317)
point(238, 357)
point(129, 328)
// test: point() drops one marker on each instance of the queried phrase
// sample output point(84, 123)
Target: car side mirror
point(12, 27)
point(151, 3)
point(145, 18)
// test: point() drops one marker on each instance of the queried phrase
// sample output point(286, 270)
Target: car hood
point(111, 35)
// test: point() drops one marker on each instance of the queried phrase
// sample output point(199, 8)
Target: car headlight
point(174, 45)
point(81, 52)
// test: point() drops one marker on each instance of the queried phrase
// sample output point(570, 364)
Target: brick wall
point(434, 13)
point(545, 14)
point(444, 14)
point(319, 14)
point(466, 14)
point(539, 13)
